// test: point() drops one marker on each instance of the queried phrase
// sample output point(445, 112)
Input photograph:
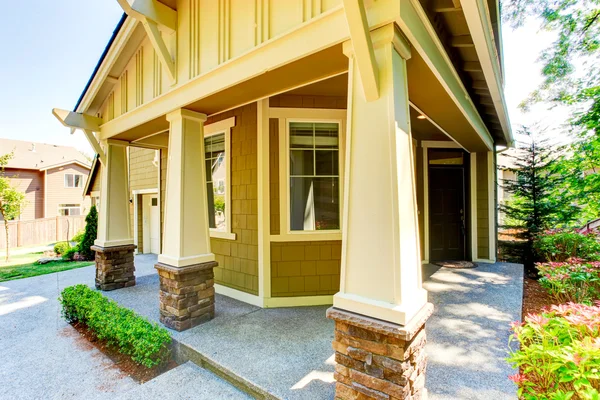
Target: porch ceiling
point(449, 21)
point(325, 73)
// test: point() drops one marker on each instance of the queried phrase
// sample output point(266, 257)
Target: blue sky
point(50, 49)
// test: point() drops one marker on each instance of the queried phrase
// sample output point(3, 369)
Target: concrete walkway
point(43, 357)
point(469, 329)
point(285, 352)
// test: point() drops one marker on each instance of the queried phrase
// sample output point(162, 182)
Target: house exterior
point(51, 176)
point(310, 152)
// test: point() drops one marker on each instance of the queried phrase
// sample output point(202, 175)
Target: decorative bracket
point(360, 36)
point(87, 123)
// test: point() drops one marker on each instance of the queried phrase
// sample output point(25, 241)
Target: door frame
point(470, 222)
point(137, 198)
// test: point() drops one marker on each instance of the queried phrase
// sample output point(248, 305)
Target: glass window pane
point(214, 147)
point(326, 136)
point(314, 204)
point(326, 162)
point(302, 162)
point(301, 135)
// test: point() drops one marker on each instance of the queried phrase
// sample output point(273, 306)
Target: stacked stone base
point(377, 359)
point(187, 295)
point(114, 267)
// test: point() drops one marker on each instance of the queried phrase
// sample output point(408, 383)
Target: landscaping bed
point(123, 362)
point(556, 346)
point(139, 347)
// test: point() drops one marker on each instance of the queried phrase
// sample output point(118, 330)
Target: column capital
point(182, 113)
point(389, 33)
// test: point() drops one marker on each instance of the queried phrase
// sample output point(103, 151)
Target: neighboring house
point(506, 161)
point(51, 176)
point(350, 141)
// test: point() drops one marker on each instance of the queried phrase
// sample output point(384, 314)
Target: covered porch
point(286, 352)
point(322, 167)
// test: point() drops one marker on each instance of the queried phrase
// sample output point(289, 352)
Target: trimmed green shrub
point(558, 354)
point(78, 237)
point(146, 342)
point(69, 254)
point(559, 245)
point(90, 234)
point(61, 248)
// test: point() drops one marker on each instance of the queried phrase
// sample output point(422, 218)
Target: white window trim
point(216, 128)
point(68, 208)
point(81, 176)
point(286, 116)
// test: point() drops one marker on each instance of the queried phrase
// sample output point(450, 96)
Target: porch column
point(381, 308)
point(114, 246)
point(185, 266)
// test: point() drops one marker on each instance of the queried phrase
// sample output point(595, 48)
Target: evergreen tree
point(539, 201)
point(91, 233)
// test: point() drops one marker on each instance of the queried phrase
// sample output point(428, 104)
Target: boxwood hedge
point(131, 334)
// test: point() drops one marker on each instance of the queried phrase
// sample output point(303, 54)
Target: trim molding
point(300, 301)
point(239, 295)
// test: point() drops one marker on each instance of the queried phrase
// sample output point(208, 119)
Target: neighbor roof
point(40, 156)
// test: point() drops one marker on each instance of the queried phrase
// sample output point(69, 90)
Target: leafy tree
point(581, 169)
point(11, 200)
point(571, 71)
point(538, 201)
point(90, 234)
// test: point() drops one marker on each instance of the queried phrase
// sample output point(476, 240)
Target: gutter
point(101, 60)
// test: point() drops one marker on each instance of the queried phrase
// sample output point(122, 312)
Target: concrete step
point(187, 381)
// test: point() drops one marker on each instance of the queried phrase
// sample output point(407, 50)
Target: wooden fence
point(40, 231)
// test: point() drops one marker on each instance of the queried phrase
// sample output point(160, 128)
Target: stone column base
point(378, 359)
point(187, 294)
point(114, 267)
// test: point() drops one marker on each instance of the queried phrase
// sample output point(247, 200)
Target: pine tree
point(539, 201)
point(91, 233)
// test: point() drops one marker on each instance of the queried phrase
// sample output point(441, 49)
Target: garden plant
point(558, 354)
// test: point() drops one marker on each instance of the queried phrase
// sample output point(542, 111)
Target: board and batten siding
point(57, 193)
point(209, 33)
point(30, 182)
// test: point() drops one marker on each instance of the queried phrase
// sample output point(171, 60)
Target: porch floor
point(287, 351)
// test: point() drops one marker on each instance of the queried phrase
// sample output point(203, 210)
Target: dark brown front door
point(446, 213)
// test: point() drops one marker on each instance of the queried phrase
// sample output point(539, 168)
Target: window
point(314, 177)
point(73, 180)
point(69, 209)
point(214, 156)
point(218, 186)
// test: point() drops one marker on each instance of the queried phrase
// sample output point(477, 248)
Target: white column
point(186, 239)
point(381, 262)
point(113, 219)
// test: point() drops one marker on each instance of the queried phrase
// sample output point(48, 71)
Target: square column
point(114, 246)
point(185, 265)
point(381, 308)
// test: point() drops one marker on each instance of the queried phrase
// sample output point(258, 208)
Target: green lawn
point(24, 266)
